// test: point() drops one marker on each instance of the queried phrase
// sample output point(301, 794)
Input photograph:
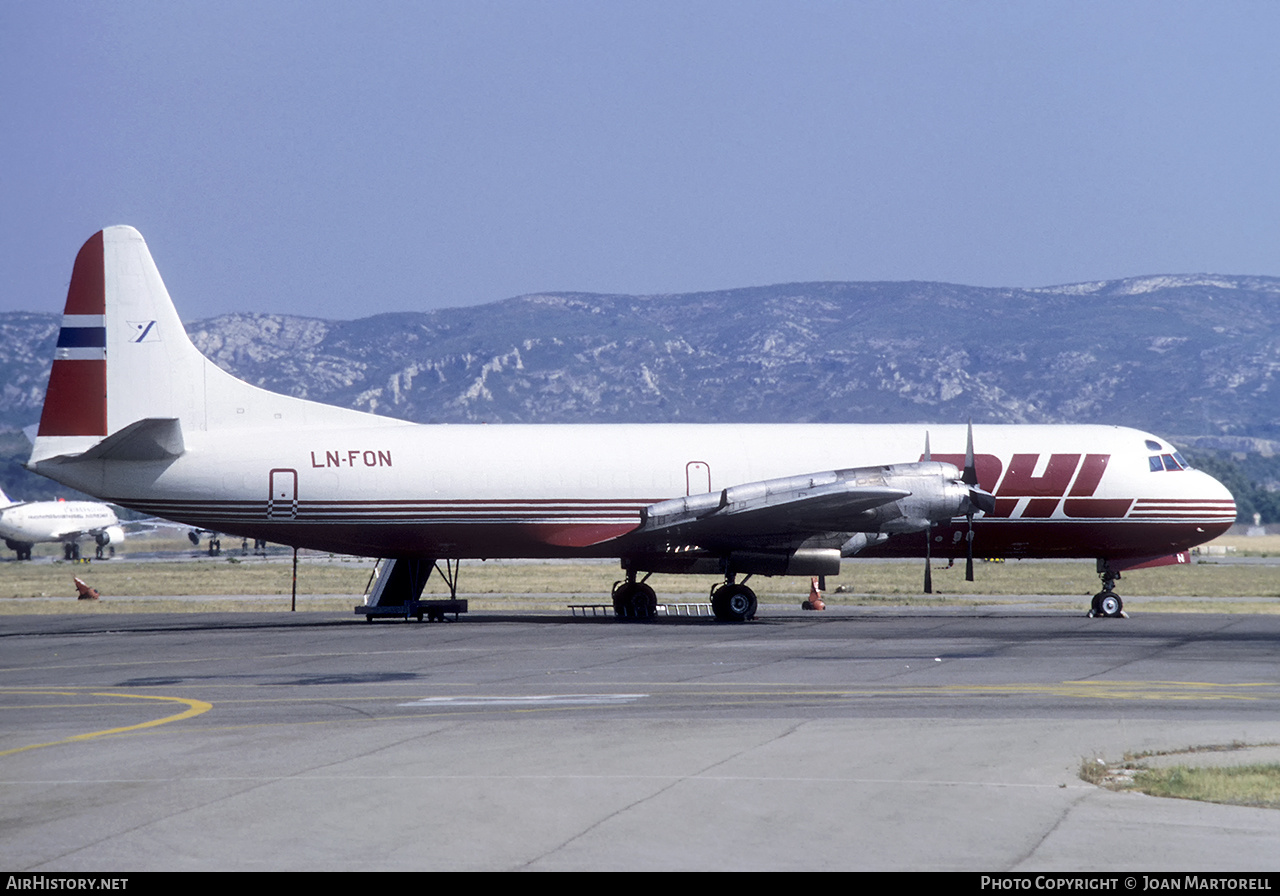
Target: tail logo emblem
point(146, 330)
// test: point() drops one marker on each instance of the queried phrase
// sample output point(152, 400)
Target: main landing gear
point(635, 600)
point(733, 602)
point(1106, 603)
point(730, 602)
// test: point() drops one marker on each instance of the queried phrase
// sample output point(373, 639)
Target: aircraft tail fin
point(123, 357)
point(75, 403)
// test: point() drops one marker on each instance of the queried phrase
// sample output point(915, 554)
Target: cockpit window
point(1164, 459)
point(1161, 462)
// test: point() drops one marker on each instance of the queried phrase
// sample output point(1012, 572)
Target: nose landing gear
point(1106, 603)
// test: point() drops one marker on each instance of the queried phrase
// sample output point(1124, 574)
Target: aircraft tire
point(733, 603)
point(635, 600)
point(1110, 605)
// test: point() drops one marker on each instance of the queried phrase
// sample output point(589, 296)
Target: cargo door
point(282, 503)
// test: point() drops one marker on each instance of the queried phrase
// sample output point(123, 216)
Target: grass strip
point(1244, 785)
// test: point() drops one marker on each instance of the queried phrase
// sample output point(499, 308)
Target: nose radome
point(1209, 488)
point(1212, 501)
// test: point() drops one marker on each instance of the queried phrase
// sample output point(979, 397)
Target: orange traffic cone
point(86, 593)
point(815, 597)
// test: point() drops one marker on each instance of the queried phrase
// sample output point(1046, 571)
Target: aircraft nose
point(1216, 490)
point(1215, 498)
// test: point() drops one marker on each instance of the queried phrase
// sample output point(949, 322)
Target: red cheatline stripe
point(410, 506)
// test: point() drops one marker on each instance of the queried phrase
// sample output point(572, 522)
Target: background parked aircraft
point(24, 524)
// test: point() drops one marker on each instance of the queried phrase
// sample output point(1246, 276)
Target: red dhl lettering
point(1064, 476)
point(353, 457)
point(1052, 483)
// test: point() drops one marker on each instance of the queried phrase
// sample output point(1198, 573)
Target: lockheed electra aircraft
point(135, 415)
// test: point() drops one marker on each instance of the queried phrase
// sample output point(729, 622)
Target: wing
point(103, 535)
point(795, 507)
point(69, 533)
point(784, 514)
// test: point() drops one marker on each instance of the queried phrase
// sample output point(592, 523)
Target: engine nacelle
point(937, 495)
point(109, 535)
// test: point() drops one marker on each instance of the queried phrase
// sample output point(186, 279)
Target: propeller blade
point(981, 500)
point(970, 474)
point(978, 498)
point(928, 565)
point(968, 552)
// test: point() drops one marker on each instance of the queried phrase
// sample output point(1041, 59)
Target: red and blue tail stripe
point(75, 403)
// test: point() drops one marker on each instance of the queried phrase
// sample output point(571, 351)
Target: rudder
point(75, 403)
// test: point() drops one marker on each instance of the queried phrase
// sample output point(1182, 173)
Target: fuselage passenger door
point(282, 502)
point(697, 477)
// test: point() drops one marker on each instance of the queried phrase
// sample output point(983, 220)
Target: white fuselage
point(577, 490)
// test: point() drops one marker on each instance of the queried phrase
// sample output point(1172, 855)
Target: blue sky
point(344, 159)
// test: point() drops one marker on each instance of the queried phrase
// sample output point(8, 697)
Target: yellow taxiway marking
point(194, 708)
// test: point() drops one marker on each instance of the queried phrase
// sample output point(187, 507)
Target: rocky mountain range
point(1193, 357)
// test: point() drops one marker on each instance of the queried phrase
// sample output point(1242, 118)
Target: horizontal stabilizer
point(150, 439)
